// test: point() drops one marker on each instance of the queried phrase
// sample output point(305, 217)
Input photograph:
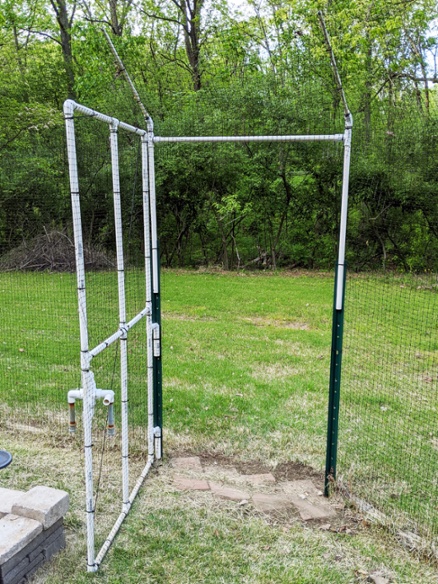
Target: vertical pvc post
point(156, 305)
point(338, 326)
point(122, 312)
point(153, 213)
point(86, 377)
point(148, 277)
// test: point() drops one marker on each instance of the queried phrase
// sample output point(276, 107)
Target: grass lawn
point(245, 363)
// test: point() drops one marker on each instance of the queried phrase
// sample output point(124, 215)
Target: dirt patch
point(210, 458)
point(285, 471)
point(344, 518)
point(292, 471)
point(255, 273)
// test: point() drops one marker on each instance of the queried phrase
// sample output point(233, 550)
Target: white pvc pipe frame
point(148, 139)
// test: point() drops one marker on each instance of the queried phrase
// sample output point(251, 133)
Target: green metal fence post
point(334, 387)
point(338, 304)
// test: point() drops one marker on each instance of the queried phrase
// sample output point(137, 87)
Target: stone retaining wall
point(31, 530)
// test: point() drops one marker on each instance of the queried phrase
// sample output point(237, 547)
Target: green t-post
point(334, 390)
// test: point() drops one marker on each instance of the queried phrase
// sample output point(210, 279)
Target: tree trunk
point(191, 18)
point(65, 23)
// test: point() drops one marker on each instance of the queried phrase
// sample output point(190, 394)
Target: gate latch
point(156, 339)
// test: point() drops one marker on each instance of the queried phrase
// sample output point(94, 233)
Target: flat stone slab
point(42, 504)
point(229, 493)
point(260, 479)
point(308, 510)
point(308, 500)
point(8, 497)
point(270, 503)
point(15, 533)
point(184, 484)
point(187, 463)
point(301, 488)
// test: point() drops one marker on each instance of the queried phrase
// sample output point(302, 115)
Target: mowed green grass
point(237, 351)
point(237, 356)
point(246, 367)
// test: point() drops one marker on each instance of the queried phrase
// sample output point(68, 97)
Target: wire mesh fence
point(236, 206)
point(388, 439)
point(388, 427)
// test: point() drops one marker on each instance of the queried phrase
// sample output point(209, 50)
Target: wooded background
point(260, 67)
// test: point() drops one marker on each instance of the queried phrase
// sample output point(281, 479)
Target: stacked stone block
point(31, 530)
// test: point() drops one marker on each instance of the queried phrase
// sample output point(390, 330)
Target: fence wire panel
point(39, 340)
point(389, 423)
point(236, 196)
point(38, 308)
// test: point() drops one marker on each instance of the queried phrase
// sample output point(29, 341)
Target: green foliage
point(263, 71)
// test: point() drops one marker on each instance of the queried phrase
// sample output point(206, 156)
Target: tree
point(65, 23)
point(193, 25)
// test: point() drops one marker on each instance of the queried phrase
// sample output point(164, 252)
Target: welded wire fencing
point(38, 299)
point(389, 424)
point(252, 206)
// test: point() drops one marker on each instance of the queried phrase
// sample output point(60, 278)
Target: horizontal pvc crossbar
point(122, 125)
point(112, 338)
point(102, 117)
point(291, 138)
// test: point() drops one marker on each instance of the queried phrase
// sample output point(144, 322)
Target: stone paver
point(187, 463)
point(266, 503)
point(23, 563)
point(308, 500)
point(300, 495)
point(376, 579)
point(301, 488)
point(309, 510)
point(7, 498)
point(185, 484)
point(43, 504)
point(15, 533)
point(259, 479)
point(226, 492)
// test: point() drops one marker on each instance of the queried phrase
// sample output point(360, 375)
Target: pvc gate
point(88, 392)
